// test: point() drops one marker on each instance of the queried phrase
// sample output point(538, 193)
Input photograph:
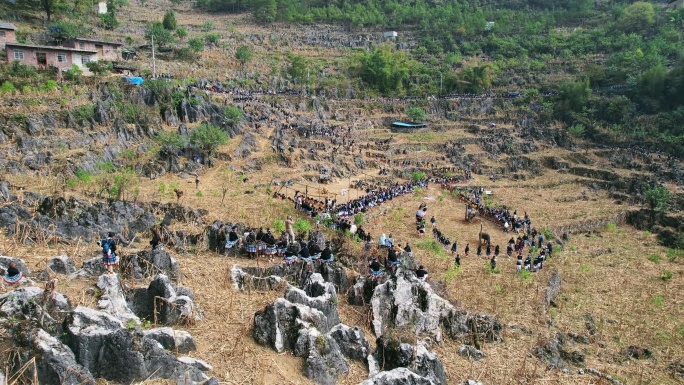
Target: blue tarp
point(409, 125)
point(135, 80)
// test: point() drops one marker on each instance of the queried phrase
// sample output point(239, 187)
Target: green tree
point(416, 114)
point(574, 95)
point(298, 69)
point(169, 21)
point(208, 137)
point(196, 44)
point(170, 141)
point(64, 30)
point(658, 199)
point(384, 69)
point(637, 17)
point(265, 11)
point(243, 54)
point(161, 36)
point(232, 115)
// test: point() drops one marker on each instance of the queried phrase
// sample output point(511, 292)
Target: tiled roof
point(4, 25)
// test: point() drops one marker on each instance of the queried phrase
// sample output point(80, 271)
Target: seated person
point(314, 249)
point(233, 238)
point(382, 240)
point(421, 273)
point(326, 254)
point(389, 242)
point(304, 253)
point(392, 258)
point(407, 250)
point(13, 275)
point(374, 267)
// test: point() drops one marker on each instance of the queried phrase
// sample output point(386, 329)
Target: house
point(43, 55)
point(390, 35)
point(105, 50)
point(7, 33)
point(101, 8)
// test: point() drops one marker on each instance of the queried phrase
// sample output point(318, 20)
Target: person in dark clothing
point(233, 238)
point(407, 249)
point(458, 260)
point(421, 273)
point(479, 250)
point(549, 249)
point(496, 251)
point(467, 249)
point(109, 257)
point(374, 267)
point(492, 263)
point(392, 254)
point(489, 250)
point(221, 239)
point(326, 254)
point(432, 221)
point(304, 253)
point(509, 250)
point(454, 247)
point(528, 262)
point(518, 264)
point(156, 239)
point(314, 249)
point(12, 270)
point(12, 275)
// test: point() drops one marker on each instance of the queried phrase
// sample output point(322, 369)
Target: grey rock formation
point(91, 268)
point(20, 264)
point(278, 325)
point(174, 340)
point(392, 353)
point(55, 362)
point(404, 301)
point(361, 292)
point(150, 263)
point(62, 265)
point(398, 376)
point(31, 302)
point(552, 289)
point(319, 295)
point(165, 303)
point(324, 360)
point(351, 341)
point(471, 352)
point(113, 301)
point(554, 354)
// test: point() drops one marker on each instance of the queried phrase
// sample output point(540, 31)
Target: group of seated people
point(308, 252)
point(500, 215)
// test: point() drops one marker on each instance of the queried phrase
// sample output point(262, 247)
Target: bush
point(7, 87)
point(654, 258)
point(212, 38)
point(169, 21)
point(171, 141)
point(417, 176)
point(302, 226)
point(196, 45)
point(208, 137)
point(278, 225)
point(50, 85)
point(99, 67)
point(576, 130)
point(73, 74)
point(208, 26)
point(358, 219)
point(181, 32)
point(667, 275)
point(416, 114)
point(185, 54)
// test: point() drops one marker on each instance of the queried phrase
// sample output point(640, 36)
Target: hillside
point(591, 153)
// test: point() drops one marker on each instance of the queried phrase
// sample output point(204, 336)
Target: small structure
point(101, 8)
point(7, 34)
point(390, 35)
point(488, 26)
point(324, 175)
point(43, 55)
point(407, 127)
point(105, 50)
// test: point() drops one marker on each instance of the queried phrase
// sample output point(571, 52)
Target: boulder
point(470, 351)
point(677, 368)
point(278, 325)
point(555, 356)
point(150, 263)
point(552, 290)
point(637, 352)
point(113, 301)
point(391, 353)
point(351, 341)
point(243, 280)
point(30, 302)
point(361, 293)
point(62, 265)
point(472, 382)
point(471, 328)
point(324, 360)
point(174, 340)
point(161, 302)
point(317, 294)
point(19, 264)
point(196, 363)
point(56, 363)
point(91, 268)
point(398, 376)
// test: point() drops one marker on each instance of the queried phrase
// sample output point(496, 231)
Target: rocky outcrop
point(90, 268)
point(56, 363)
point(278, 325)
point(165, 303)
point(324, 361)
point(150, 263)
point(62, 265)
point(112, 301)
point(391, 353)
point(101, 344)
point(405, 301)
point(174, 340)
point(351, 341)
point(555, 354)
point(398, 376)
point(552, 290)
point(470, 351)
point(361, 292)
point(296, 274)
point(34, 303)
point(319, 295)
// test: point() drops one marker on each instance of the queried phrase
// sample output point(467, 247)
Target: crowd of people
point(500, 215)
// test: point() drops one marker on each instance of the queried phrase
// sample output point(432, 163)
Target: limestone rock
point(62, 265)
point(392, 353)
point(471, 352)
point(324, 360)
point(161, 302)
point(351, 341)
point(150, 263)
point(398, 376)
point(29, 302)
point(55, 362)
point(91, 268)
point(319, 295)
point(113, 301)
point(278, 324)
point(174, 340)
point(552, 289)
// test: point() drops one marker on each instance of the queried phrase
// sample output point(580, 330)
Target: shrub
point(207, 26)
point(658, 300)
point(611, 227)
point(169, 21)
point(212, 38)
point(170, 140)
point(83, 176)
point(278, 225)
point(50, 85)
point(181, 32)
point(73, 74)
point(195, 44)
point(185, 54)
point(576, 130)
point(208, 137)
point(667, 275)
point(416, 114)
point(358, 219)
point(525, 276)
point(7, 87)
point(302, 225)
point(417, 176)
point(654, 258)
